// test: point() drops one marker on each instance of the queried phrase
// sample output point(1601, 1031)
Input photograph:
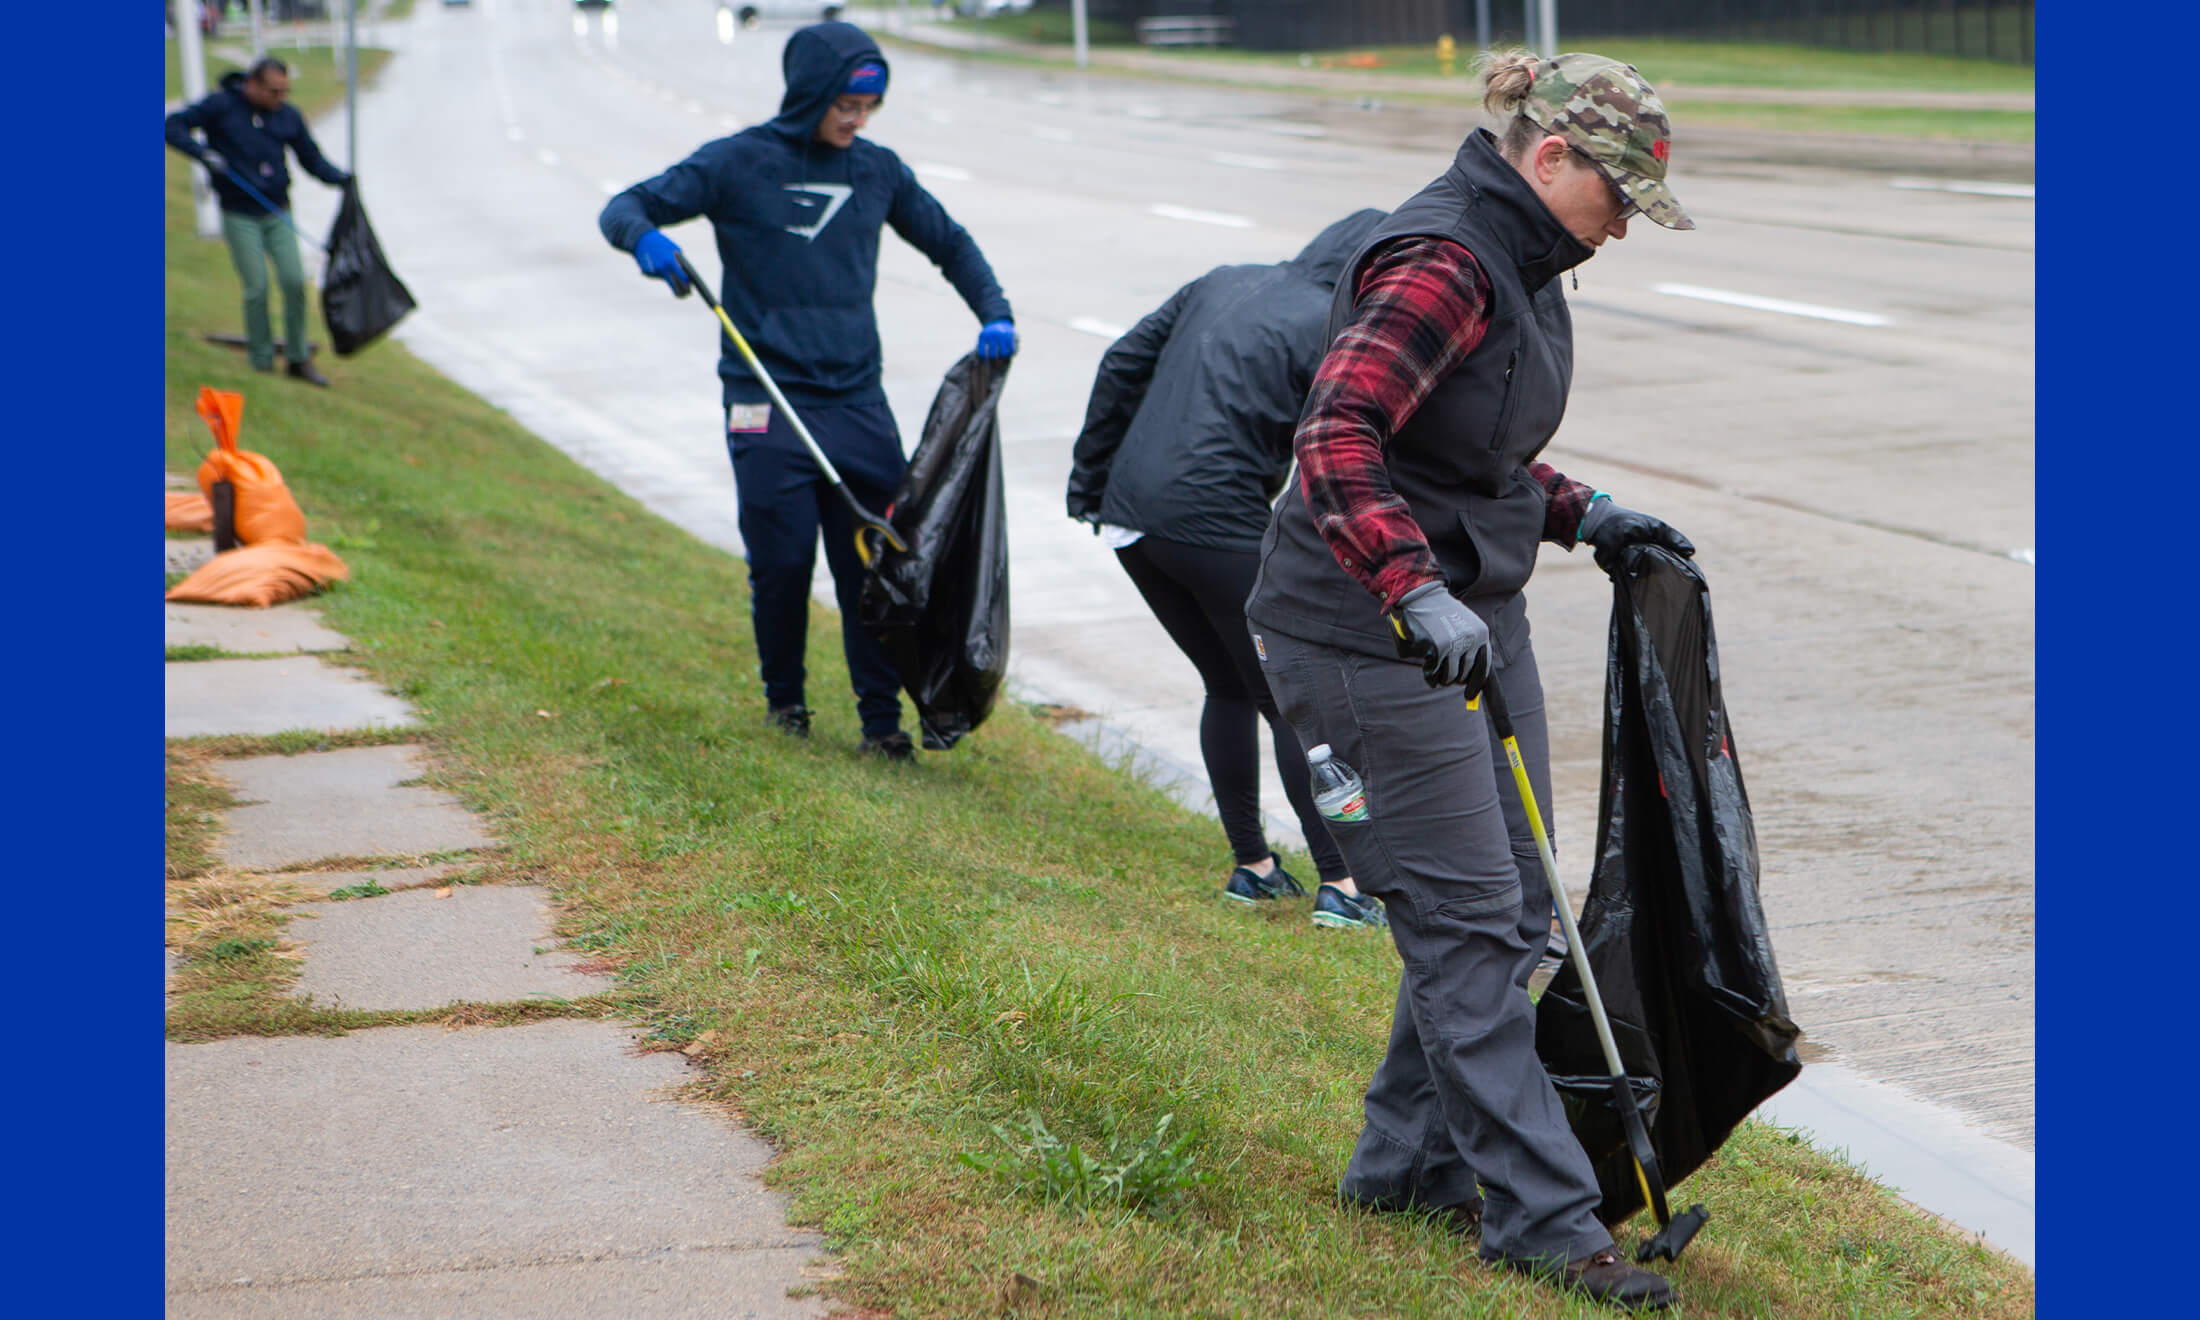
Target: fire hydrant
point(1447, 53)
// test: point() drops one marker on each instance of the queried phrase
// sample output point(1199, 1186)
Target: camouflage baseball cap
point(1606, 109)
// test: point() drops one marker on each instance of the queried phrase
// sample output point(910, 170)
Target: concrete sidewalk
point(542, 1170)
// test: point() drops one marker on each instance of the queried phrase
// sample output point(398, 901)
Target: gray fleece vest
point(1460, 461)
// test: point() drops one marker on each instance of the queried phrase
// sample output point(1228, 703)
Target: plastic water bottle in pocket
point(1338, 793)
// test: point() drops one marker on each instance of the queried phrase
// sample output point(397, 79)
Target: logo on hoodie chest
point(813, 206)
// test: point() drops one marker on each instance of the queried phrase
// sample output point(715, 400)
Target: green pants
point(254, 240)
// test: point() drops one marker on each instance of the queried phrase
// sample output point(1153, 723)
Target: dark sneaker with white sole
point(1605, 1277)
point(1339, 910)
point(792, 720)
point(1245, 886)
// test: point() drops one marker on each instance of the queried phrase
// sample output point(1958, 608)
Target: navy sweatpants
point(784, 501)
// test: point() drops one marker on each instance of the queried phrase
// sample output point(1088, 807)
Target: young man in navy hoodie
point(796, 205)
point(249, 124)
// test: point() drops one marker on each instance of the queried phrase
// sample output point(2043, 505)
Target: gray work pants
point(1460, 1112)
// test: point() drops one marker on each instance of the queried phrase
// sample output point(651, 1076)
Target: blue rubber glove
point(659, 258)
point(997, 339)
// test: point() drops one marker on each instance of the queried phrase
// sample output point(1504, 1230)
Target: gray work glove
point(1451, 640)
point(1611, 529)
point(213, 162)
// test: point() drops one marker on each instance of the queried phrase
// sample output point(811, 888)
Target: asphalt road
point(1828, 386)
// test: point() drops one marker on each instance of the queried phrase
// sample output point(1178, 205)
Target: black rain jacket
point(1187, 436)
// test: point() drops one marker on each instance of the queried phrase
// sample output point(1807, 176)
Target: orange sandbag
point(265, 510)
point(189, 513)
point(262, 575)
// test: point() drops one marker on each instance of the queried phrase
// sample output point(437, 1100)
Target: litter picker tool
point(1674, 1232)
point(272, 209)
point(866, 520)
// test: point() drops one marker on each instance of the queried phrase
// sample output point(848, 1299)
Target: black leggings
point(1199, 594)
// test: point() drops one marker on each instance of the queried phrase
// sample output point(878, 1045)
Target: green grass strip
point(1014, 952)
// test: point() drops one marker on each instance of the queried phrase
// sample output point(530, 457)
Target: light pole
point(1482, 25)
point(205, 213)
point(259, 46)
point(351, 85)
point(1548, 28)
point(1077, 31)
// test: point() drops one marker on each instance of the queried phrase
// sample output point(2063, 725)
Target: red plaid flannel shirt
point(1423, 304)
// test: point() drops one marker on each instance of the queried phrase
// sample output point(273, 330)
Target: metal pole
point(1079, 30)
point(351, 85)
point(259, 46)
point(1527, 24)
point(1548, 28)
point(206, 216)
point(1481, 24)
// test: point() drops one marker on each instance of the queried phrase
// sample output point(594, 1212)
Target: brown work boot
point(1605, 1276)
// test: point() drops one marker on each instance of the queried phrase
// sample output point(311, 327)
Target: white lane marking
point(1145, 112)
point(692, 107)
point(512, 132)
point(1290, 129)
point(728, 122)
point(1050, 98)
point(951, 173)
point(1964, 186)
point(1094, 326)
point(1053, 134)
point(939, 116)
point(2023, 556)
point(610, 189)
point(1222, 218)
point(1246, 162)
point(1781, 305)
point(546, 155)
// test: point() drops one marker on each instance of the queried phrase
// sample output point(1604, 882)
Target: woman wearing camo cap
point(1419, 500)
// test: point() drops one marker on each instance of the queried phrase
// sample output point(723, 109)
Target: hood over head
point(1323, 260)
point(817, 62)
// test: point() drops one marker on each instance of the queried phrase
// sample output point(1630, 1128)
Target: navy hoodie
point(252, 141)
point(798, 224)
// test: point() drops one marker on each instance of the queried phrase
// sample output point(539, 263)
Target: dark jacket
point(1460, 461)
point(797, 223)
point(1188, 433)
point(252, 142)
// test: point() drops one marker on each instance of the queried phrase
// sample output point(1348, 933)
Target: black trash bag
point(361, 297)
point(941, 608)
point(1672, 925)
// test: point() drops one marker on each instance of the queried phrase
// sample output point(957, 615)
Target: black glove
point(1611, 529)
point(1451, 640)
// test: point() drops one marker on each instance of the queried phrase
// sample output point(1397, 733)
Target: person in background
point(249, 124)
point(1187, 440)
point(796, 205)
point(1390, 588)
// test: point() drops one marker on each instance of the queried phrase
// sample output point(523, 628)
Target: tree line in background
point(1990, 29)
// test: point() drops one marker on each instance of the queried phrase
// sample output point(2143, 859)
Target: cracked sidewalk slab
point(481, 944)
point(273, 696)
point(348, 803)
point(239, 628)
point(534, 1170)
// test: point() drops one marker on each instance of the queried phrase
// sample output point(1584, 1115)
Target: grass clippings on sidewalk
point(1012, 952)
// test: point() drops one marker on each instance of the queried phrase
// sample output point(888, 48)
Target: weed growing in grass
point(364, 889)
point(195, 651)
point(231, 950)
point(1150, 1173)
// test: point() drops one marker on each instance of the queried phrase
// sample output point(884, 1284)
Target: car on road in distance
point(748, 13)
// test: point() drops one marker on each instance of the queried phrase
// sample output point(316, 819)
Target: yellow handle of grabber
point(866, 521)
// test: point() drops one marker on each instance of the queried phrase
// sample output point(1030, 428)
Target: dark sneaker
point(893, 746)
point(792, 720)
point(306, 372)
point(1247, 887)
point(1341, 911)
point(1607, 1278)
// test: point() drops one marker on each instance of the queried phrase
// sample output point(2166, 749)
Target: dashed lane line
point(1780, 305)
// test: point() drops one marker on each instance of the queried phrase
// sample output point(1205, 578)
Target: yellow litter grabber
point(1674, 1232)
point(866, 521)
